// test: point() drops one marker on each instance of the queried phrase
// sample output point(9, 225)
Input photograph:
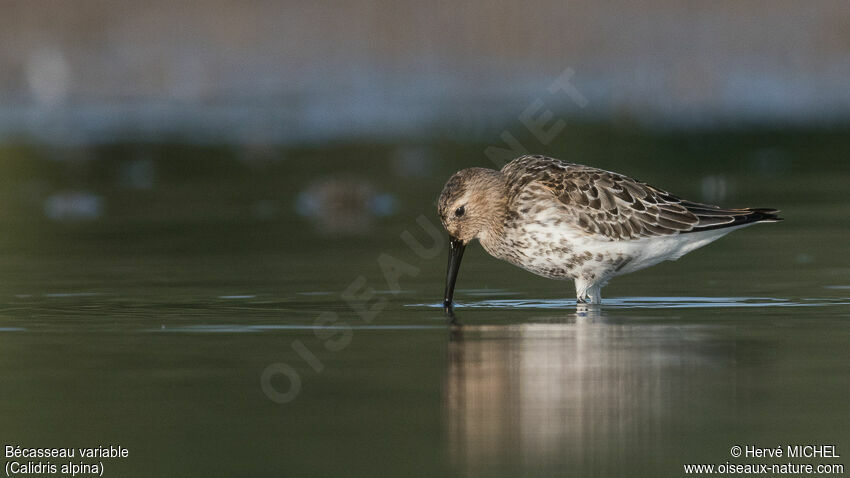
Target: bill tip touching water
point(568, 221)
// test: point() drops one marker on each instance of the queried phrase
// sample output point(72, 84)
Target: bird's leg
point(587, 292)
point(581, 291)
point(595, 294)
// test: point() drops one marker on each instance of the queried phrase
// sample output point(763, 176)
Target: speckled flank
point(543, 242)
point(568, 221)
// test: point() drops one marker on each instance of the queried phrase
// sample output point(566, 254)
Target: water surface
point(155, 332)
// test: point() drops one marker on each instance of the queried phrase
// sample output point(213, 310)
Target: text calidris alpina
point(568, 221)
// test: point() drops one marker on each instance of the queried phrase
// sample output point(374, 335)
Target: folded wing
point(618, 207)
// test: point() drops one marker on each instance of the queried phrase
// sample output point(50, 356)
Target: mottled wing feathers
point(616, 206)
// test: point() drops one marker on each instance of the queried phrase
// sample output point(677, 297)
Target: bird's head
point(472, 204)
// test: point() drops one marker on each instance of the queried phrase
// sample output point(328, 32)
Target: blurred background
point(186, 186)
point(117, 109)
point(288, 72)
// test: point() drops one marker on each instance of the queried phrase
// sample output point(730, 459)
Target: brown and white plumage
point(615, 206)
point(569, 221)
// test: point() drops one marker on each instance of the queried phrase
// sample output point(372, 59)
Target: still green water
point(152, 328)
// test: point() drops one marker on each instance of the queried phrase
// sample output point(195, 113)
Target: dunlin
point(569, 221)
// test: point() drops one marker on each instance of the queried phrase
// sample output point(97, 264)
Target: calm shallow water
point(156, 335)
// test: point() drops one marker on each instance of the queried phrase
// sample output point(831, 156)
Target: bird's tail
point(711, 217)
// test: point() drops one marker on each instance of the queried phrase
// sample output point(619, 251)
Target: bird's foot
point(589, 299)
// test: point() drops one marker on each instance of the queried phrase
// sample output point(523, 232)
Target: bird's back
point(612, 206)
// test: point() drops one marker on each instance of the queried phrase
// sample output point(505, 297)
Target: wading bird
point(569, 221)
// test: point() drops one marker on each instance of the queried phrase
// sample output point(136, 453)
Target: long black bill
point(456, 248)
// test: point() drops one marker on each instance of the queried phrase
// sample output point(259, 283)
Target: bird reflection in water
point(588, 391)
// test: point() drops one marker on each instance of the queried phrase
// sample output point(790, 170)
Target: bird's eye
point(459, 211)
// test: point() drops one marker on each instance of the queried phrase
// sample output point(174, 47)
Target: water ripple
point(648, 303)
point(235, 328)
